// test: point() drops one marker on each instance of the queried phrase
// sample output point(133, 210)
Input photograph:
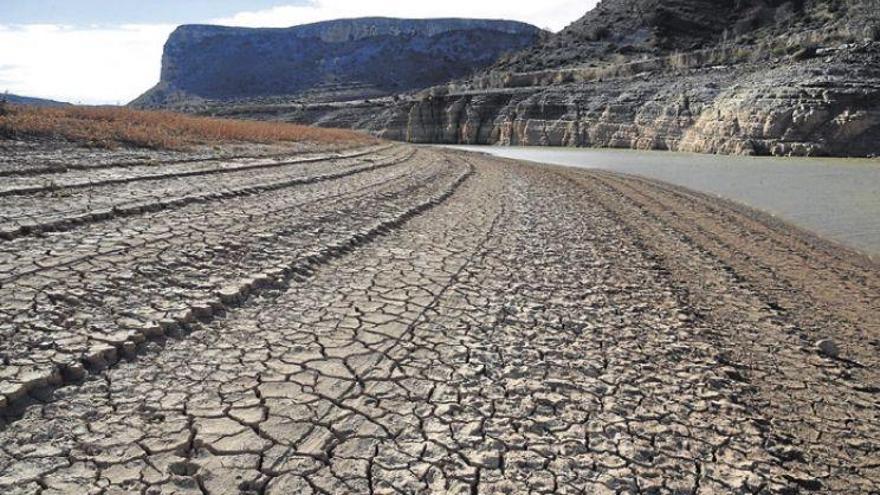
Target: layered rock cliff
point(352, 58)
point(826, 106)
point(747, 76)
point(764, 77)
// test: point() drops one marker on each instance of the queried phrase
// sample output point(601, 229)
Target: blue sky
point(110, 51)
point(90, 12)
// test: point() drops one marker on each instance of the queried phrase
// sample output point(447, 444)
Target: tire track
point(22, 191)
point(42, 380)
point(115, 212)
point(842, 295)
point(134, 163)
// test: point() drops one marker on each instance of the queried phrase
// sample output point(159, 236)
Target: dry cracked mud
point(411, 320)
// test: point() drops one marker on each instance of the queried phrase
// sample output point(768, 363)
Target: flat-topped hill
point(359, 57)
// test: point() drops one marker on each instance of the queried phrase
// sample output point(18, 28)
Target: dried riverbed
point(411, 320)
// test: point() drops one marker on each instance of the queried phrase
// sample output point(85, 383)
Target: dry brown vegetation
point(110, 127)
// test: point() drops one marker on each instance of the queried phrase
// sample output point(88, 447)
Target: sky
point(110, 51)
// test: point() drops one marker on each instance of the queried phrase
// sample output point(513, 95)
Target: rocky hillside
point(355, 58)
point(746, 76)
point(29, 100)
point(764, 77)
point(653, 27)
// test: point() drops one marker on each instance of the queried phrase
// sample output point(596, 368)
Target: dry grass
point(110, 127)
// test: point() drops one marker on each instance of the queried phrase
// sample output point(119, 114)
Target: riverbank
point(836, 198)
point(426, 320)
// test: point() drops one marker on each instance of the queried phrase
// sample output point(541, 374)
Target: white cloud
point(87, 65)
point(100, 64)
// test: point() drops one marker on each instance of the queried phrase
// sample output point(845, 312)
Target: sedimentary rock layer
point(751, 77)
point(764, 77)
point(826, 107)
point(425, 321)
point(829, 105)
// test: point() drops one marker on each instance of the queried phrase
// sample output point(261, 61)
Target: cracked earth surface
point(394, 319)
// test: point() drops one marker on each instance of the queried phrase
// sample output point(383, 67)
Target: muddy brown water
point(836, 198)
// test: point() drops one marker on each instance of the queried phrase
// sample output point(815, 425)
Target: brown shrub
point(109, 127)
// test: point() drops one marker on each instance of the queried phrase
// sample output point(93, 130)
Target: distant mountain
point(354, 58)
point(27, 100)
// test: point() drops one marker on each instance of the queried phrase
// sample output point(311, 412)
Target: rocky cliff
point(356, 58)
point(764, 77)
point(826, 106)
point(746, 76)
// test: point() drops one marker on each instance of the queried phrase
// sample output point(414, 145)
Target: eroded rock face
point(763, 77)
point(350, 58)
point(747, 77)
point(823, 107)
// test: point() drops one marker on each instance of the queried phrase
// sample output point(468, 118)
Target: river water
point(836, 198)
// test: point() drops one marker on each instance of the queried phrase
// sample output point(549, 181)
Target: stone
point(828, 347)
point(73, 371)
